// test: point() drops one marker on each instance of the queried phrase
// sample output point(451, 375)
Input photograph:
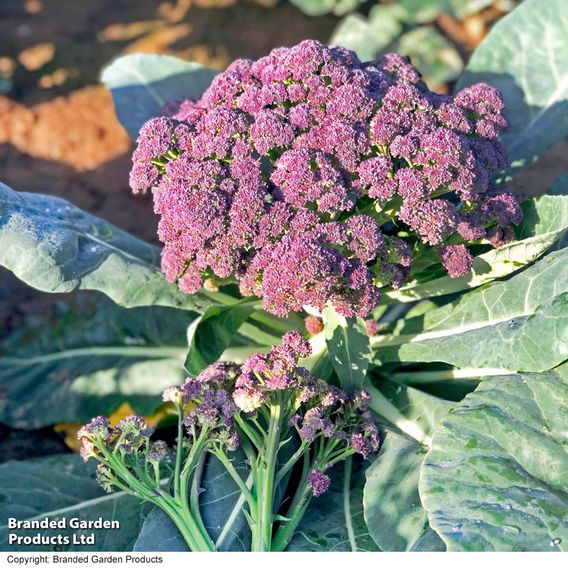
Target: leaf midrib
point(418, 337)
point(136, 352)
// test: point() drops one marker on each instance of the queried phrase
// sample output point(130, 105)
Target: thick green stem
point(187, 526)
point(196, 539)
point(295, 511)
point(179, 454)
point(347, 503)
point(253, 435)
point(265, 483)
point(192, 504)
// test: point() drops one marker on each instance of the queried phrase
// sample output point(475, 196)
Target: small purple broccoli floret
point(319, 482)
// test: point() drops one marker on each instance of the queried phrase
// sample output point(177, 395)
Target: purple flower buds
point(456, 259)
point(319, 482)
point(158, 451)
point(264, 178)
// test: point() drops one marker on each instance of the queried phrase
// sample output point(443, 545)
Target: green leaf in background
point(314, 7)
point(423, 11)
point(65, 487)
point(141, 84)
point(525, 56)
point(545, 222)
point(393, 512)
point(496, 477)
point(349, 348)
point(461, 9)
point(89, 360)
point(371, 36)
point(334, 522)
point(517, 324)
point(210, 334)
point(321, 7)
point(54, 246)
point(432, 54)
point(387, 29)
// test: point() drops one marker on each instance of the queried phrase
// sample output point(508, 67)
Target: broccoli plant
point(344, 279)
point(269, 408)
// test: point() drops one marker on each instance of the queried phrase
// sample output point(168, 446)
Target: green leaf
point(253, 332)
point(384, 30)
point(222, 505)
point(525, 56)
point(425, 11)
point(210, 334)
point(518, 324)
point(412, 405)
point(64, 487)
point(141, 84)
point(88, 360)
point(495, 476)
point(349, 348)
point(545, 222)
point(159, 534)
point(54, 246)
point(393, 512)
point(486, 267)
point(545, 216)
point(371, 36)
point(432, 54)
point(324, 526)
point(343, 7)
point(461, 9)
point(321, 7)
point(314, 7)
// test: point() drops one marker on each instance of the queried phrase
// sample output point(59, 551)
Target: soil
point(58, 132)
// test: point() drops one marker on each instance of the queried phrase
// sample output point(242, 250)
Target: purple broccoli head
point(294, 175)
